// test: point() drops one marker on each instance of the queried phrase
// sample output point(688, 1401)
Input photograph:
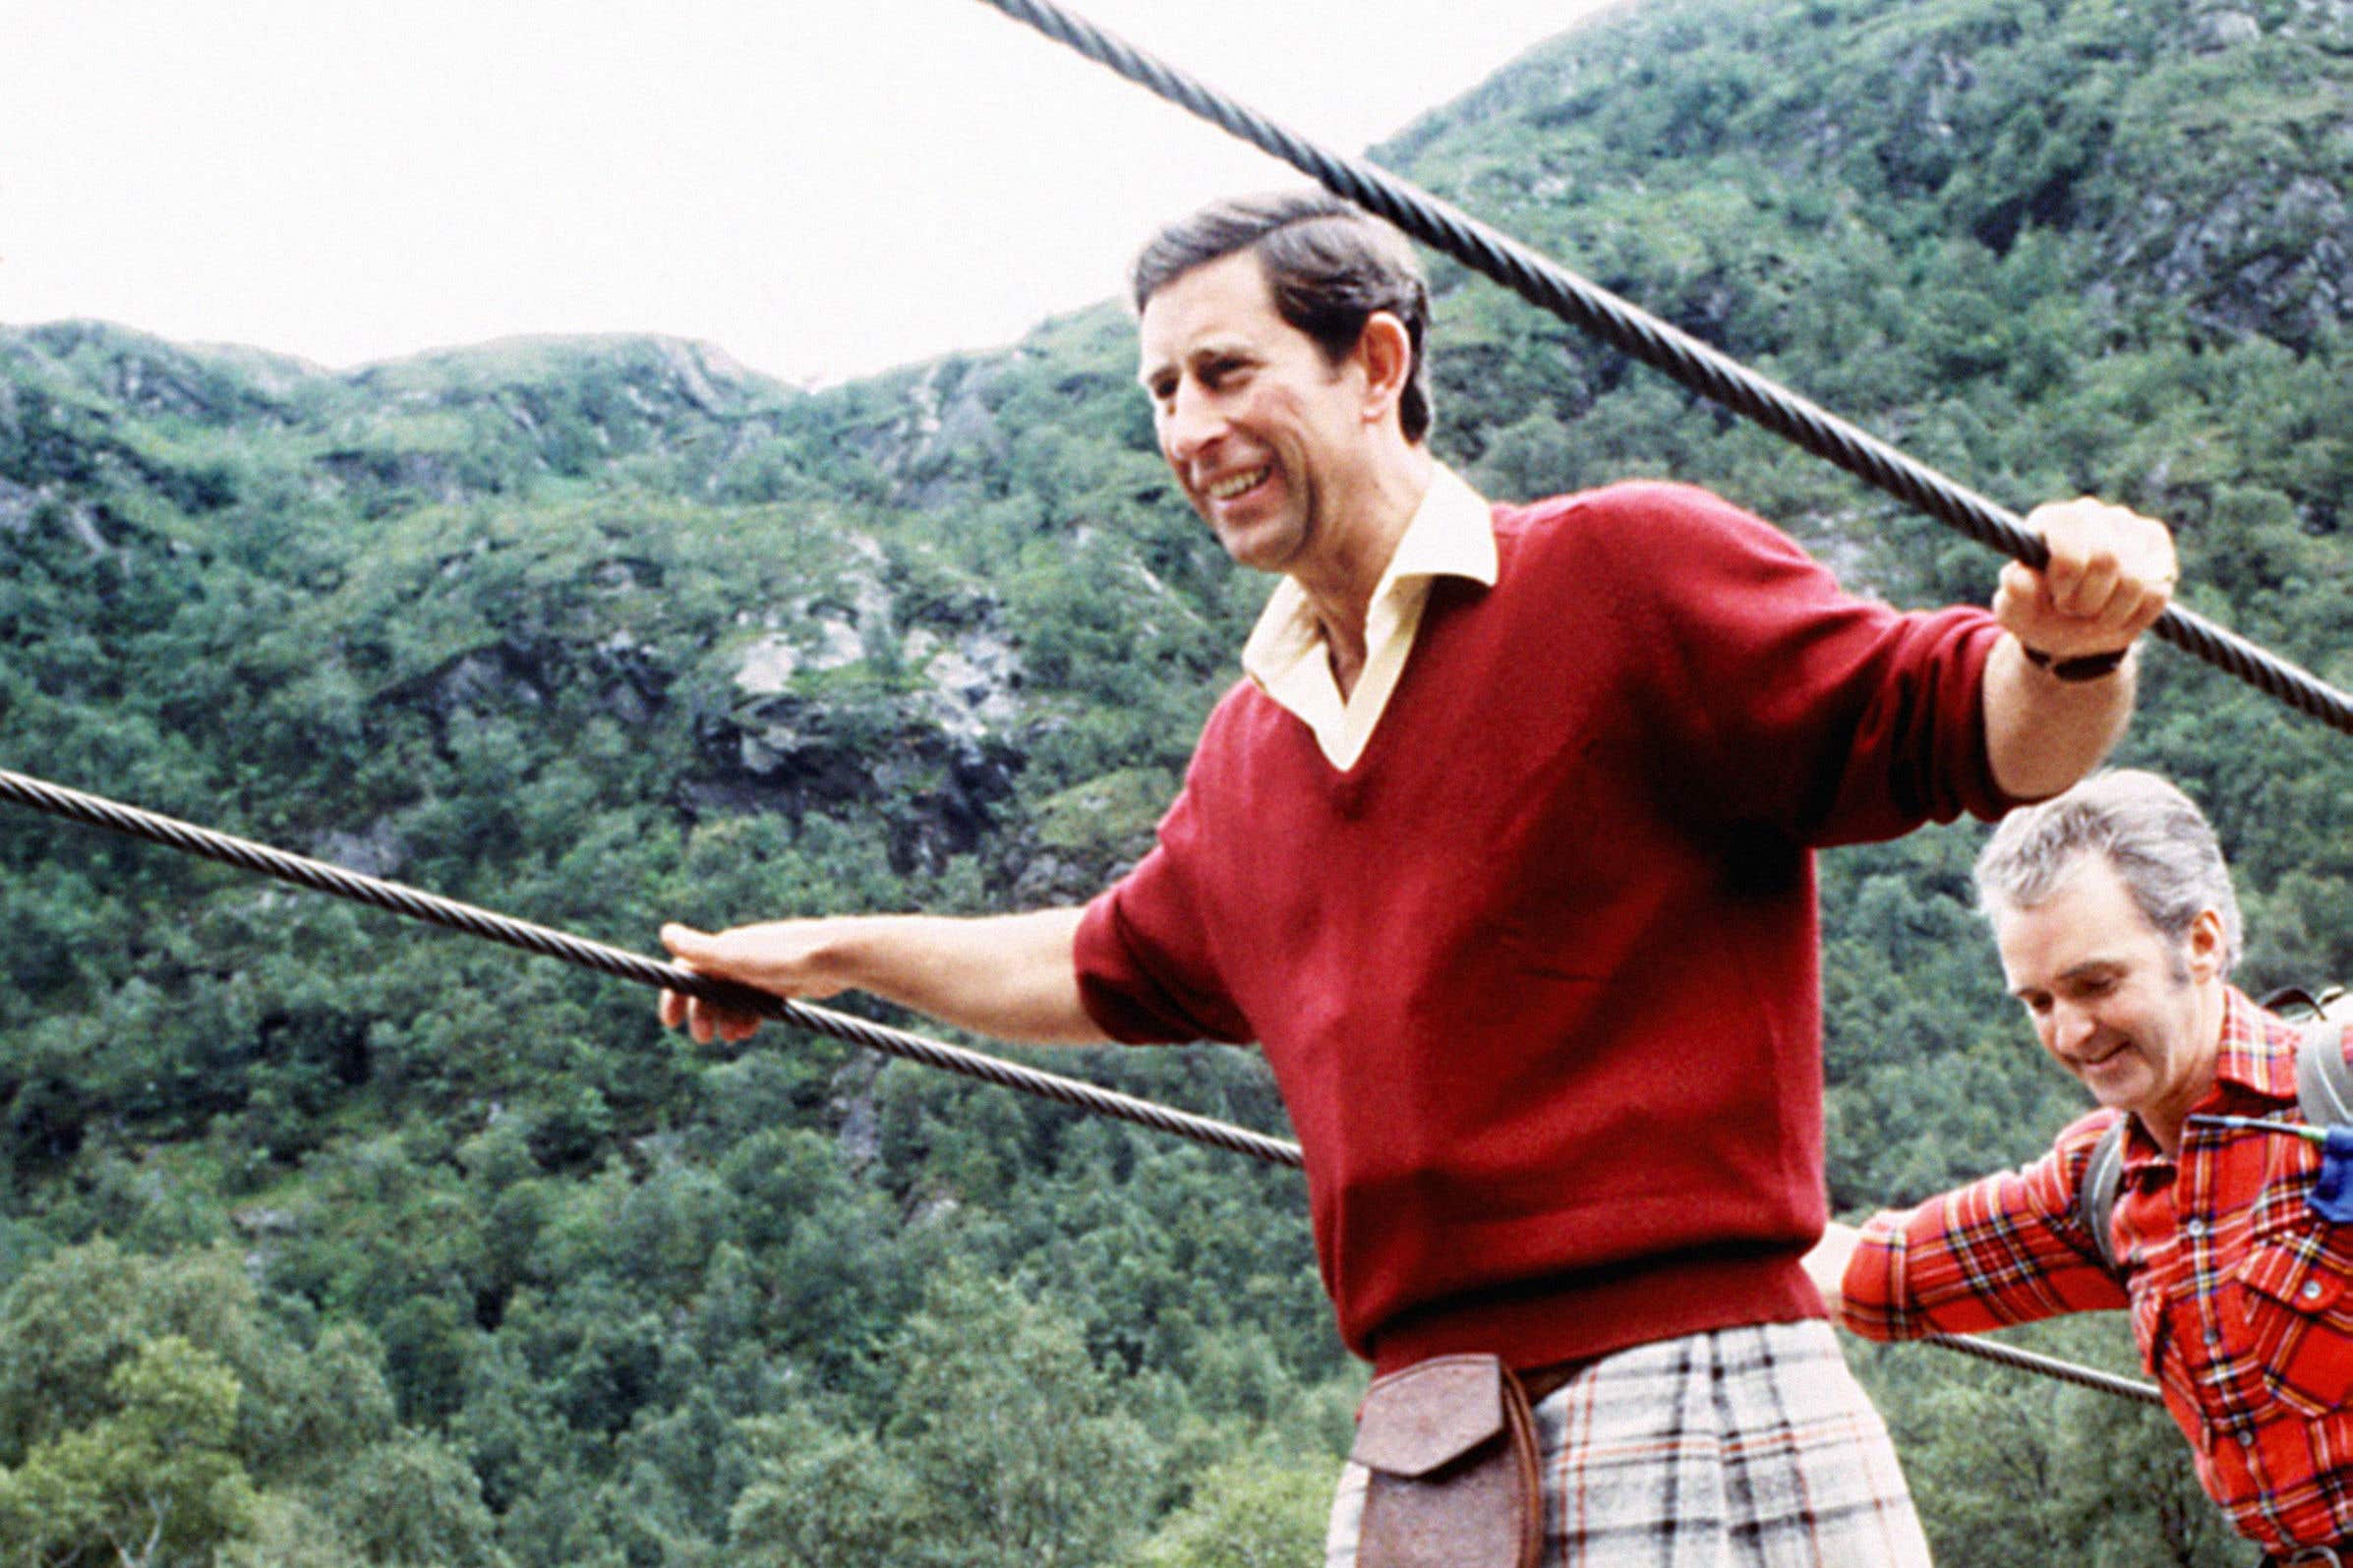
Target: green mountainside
point(331, 1240)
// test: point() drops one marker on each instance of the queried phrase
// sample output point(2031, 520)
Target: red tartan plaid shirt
point(2239, 1293)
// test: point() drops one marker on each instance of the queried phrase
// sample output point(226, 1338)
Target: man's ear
point(1384, 352)
point(2205, 945)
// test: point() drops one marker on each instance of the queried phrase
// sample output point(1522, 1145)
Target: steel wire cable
point(320, 876)
point(1625, 325)
point(2026, 1361)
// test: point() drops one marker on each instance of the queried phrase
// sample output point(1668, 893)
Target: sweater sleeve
point(1834, 717)
point(2006, 1250)
point(1145, 952)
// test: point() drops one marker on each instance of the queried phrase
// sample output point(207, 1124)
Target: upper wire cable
point(1627, 326)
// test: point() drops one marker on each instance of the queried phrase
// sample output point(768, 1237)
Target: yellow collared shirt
point(1451, 535)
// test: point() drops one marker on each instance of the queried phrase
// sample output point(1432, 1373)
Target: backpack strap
point(2293, 1001)
point(2096, 1194)
point(2323, 1079)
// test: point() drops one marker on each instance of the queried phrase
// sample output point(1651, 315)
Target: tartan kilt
point(1749, 1447)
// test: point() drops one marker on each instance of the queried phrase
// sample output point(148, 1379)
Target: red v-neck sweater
point(1538, 974)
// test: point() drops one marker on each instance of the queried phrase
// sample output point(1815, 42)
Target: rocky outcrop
point(837, 706)
point(2268, 255)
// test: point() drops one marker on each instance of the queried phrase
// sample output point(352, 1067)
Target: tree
point(413, 1503)
point(365, 616)
point(2010, 1469)
point(821, 1499)
point(153, 1483)
point(1261, 1509)
point(1022, 1452)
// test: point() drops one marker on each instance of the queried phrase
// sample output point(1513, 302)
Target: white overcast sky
point(822, 188)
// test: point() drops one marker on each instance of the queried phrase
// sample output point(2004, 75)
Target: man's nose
point(2072, 1026)
point(1190, 424)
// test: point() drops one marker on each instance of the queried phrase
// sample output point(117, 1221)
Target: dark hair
point(1328, 265)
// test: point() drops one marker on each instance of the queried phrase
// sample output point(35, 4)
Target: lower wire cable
point(2026, 1361)
point(320, 876)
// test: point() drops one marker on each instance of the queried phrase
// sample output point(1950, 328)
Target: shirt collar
point(2257, 1057)
point(1451, 535)
point(2257, 1051)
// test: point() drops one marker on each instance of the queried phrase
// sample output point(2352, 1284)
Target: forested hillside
point(332, 1241)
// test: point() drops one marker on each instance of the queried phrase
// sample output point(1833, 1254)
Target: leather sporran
point(1450, 1446)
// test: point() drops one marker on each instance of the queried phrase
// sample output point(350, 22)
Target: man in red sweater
point(1502, 853)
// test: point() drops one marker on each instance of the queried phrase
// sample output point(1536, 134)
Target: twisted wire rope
point(322, 877)
point(2026, 1361)
point(1627, 326)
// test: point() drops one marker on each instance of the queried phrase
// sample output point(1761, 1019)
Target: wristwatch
point(2086, 667)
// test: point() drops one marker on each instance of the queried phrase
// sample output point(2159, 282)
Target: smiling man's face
point(1259, 427)
point(2133, 1014)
